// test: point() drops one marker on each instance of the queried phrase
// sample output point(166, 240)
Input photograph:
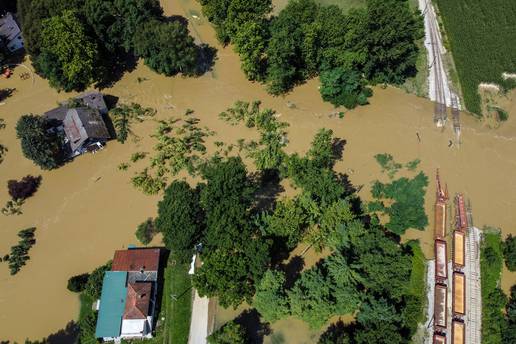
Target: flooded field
point(87, 209)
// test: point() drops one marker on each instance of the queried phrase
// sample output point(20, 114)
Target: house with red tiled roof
point(128, 298)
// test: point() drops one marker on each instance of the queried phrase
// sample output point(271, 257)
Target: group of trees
point(375, 44)
point(24, 188)
point(509, 252)
point(75, 43)
point(19, 254)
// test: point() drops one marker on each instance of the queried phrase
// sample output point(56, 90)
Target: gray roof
point(83, 123)
point(93, 100)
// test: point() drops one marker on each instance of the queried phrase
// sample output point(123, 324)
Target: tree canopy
point(180, 220)
point(509, 252)
point(166, 48)
point(69, 55)
point(39, 145)
point(234, 254)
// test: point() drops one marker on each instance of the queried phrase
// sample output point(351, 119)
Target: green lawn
point(177, 304)
point(482, 37)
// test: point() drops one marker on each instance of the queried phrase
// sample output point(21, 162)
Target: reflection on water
point(86, 209)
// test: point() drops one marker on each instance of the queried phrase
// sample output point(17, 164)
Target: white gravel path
point(199, 323)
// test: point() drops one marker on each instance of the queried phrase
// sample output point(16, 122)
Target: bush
point(24, 188)
point(146, 231)
point(230, 333)
point(345, 87)
point(78, 283)
point(20, 253)
point(94, 286)
point(509, 252)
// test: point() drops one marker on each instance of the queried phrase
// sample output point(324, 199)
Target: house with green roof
point(128, 298)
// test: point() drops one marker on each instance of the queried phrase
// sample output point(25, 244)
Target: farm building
point(458, 332)
point(129, 295)
point(81, 120)
point(459, 293)
point(459, 247)
point(440, 306)
point(441, 258)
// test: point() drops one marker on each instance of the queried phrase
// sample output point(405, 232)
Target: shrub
point(146, 231)
point(230, 333)
point(24, 188)
point(19, 253)
point(94, 285)
point(509, 252)
point(78, 283)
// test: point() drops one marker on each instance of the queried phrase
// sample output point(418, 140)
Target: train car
point(459, 249)
point(441, 259)
point(440, 220)
point(459, 294)
point(458, 332)
point(440, 306)
point(462, 218)
point(439, 338)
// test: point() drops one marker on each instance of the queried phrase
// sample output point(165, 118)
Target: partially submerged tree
point(166, 47)
point(229, 333)
point(344, 87)
point(180, 220)
point(24, 188)
point(38, 144)
point(509, 252)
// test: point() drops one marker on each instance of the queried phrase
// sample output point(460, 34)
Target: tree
point(78, 283)
point(229, 333)
point(242, 12)
point(24, 188)
point(271, 299)
point(509, 252)
point(146, 231)
point(69, 57)
point(235, 256)
point(391, 38)
point(39, 145)
point(287, 221)
point(311, 298)
point(407, 209)
point(32, 13)
point(180, 220)
point(115, 22)
point(344, 87)
point(250, 43)
point(166, 48)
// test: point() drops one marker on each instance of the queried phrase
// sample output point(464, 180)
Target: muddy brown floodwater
point(86, 209)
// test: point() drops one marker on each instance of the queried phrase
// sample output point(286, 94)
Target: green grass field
point(482, 35)
point(493, 300)
point(177, 300)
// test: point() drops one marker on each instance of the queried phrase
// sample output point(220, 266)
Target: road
point(199, 322)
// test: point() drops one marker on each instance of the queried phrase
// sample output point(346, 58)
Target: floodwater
point(87, 209)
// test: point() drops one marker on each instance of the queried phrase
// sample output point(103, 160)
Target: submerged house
point(10, 32)
point(128, 299)
point(82, 123)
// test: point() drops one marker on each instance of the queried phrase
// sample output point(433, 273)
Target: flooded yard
point(88, 208)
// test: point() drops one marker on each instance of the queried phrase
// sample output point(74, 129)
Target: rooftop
point(138, 300)
point(112, 304)
point(146, 259)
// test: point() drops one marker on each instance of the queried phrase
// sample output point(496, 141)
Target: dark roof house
point(82, 123)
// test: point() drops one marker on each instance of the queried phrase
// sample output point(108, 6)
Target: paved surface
point(199, 323)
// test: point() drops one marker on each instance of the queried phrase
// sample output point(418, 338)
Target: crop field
point(482, 35)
